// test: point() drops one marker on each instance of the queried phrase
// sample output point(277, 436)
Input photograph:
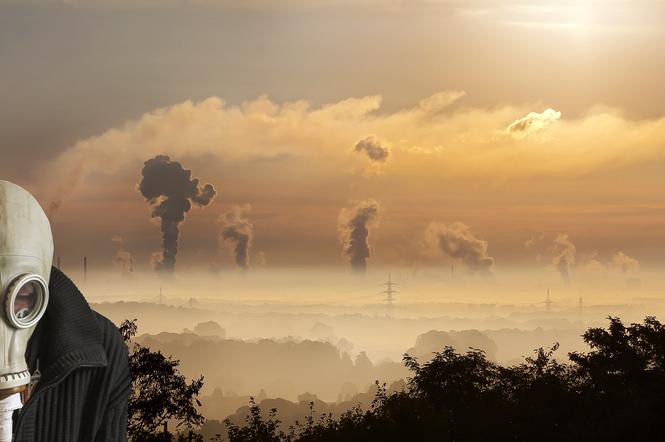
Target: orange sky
point(519, 120)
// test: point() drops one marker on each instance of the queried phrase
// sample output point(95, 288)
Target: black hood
point(68, 335)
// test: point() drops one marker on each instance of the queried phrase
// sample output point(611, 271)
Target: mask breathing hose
point(10, 401)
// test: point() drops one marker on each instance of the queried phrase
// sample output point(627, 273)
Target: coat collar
point(68, 335)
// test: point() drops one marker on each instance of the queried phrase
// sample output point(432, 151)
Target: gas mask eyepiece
point(25, 300)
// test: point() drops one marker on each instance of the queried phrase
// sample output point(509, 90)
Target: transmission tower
point(390, 293)
point(548, 301)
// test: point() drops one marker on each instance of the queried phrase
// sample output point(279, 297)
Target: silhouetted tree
point(257, 429)
point(159, 393)
point(615, 392)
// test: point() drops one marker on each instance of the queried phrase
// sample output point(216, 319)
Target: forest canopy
point(612, 392)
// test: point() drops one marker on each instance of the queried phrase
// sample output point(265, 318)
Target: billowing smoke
point(532, 122)
point(563, 253)
point(457, 242)
point(624, 263)
point(168, 187)
point(261, 259)
point(123, 260)
point(373, 148)
point(354, 225)
point(237, 229)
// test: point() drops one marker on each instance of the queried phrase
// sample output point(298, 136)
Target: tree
point(614, 392)
point(257, 429)
point(159, 392)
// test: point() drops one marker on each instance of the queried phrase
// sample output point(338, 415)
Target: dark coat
point(85, 380)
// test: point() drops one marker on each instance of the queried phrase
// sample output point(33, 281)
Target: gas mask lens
point(26, 299)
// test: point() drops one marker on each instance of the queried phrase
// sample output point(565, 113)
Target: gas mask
point(26, 254)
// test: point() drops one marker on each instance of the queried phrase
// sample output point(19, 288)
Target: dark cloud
point(457, 242)
point(237, 229)
point(169, 188)
point(374, 149)
point(354, 225)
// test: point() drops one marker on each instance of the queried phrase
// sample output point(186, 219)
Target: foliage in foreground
point(614, 392)
point(159, 393)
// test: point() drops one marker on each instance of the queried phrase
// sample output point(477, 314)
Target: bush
point(615, 392)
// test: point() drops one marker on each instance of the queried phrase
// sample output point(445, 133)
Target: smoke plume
point(624, 263)
point(237, 229)
point(563, 253)
point(123, 259)
point(353, 226)
point(457, 241)
point(168, 187)
point(373, 148)
point(261, 259)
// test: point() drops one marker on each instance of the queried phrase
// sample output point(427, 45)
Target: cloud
point(466, 143)
point(354, 226)
point(373, 148)
point(439, 101)
point(457, 242)
point(237, 229)
point(532, 123)
point(170, 190)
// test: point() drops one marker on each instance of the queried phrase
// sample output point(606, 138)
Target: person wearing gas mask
point(64, 369)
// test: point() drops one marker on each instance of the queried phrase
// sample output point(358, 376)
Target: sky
point(366, 134)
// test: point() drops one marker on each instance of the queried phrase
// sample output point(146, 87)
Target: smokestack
point(59, 263)
point(85, 269)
